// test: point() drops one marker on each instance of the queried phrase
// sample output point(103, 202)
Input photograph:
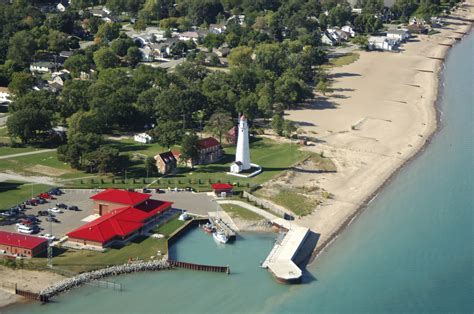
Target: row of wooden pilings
point(192, 266)
point(32, 295)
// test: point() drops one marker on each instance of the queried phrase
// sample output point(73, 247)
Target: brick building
point(15, 244)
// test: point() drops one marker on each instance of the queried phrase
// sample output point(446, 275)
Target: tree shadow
point(319, 104)
point(343, 89)
point(343, 74)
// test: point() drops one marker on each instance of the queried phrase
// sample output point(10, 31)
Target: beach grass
point(15, 192)
point(344, 60)
point(293, 199)
point(240, 212)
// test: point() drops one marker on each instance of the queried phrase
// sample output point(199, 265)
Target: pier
point(280, 260)
point(224, 223)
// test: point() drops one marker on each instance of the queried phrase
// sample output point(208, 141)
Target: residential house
point(398, 34)
point(221, 52)
point(327, 39)
point(209, 151)
point(382, 43)
point(166, 162)
point(42, 67)
point(63, 5)
point(240, 19)
point(231, 135)
point(222, 189)
point(417, 29)
point(143, 138)
point(217, 29)
point(147, 54)
point(66, 54)
point(193, 35)
point(349, 30)
point(5, 97)
point(59, 77)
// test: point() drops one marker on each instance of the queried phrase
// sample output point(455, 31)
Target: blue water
point(411, 250)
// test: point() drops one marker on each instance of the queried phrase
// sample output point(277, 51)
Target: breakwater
point(193, 266)
point(87, 277)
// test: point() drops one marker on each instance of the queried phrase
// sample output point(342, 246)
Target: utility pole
point(50, 248)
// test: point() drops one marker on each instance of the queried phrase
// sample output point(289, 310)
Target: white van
point(25, 229)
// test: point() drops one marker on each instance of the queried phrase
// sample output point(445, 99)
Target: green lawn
point(14, 192)
point(141, 248)
point(293, 200)
point(240, 212)
point(343, 60)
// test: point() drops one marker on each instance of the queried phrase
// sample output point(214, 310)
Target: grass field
point(14, 192)
point(344, 60)
point(292, 199)
point(240, 212)
point(141, 248)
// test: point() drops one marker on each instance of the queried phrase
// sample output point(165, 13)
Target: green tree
point(188, 148)
point(107, 32)
point(288, 128)
point(57, 41)
point(21, 83)
point(105, 58)
point(77, 63)
point(121, 45)
point(277, 124)
point(83, 122)
point(21, 48)
point(169, 133)
point(29, 124)
point(105, 159)
point(323, 87)
point(218, 124)
point(240, 56)
point(150, 167)
point(134, 55)
point(73, 97)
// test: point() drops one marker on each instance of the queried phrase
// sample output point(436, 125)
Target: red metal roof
point(222, 186)
point(207, 142)
point(121, 197)
point(20, 240)
point(120, 222)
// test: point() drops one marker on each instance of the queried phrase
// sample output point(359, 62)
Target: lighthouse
point(242, 154)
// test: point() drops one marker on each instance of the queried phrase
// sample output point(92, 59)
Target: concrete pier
point(223, 222)
point(280, 260)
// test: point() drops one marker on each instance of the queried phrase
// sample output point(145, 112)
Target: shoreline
point(438, 92)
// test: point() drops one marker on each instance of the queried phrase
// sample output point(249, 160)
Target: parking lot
point(68, 220)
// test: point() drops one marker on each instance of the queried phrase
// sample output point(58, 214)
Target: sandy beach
point(380, 115)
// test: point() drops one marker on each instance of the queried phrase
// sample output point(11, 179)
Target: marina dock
point(223, 222)
point(280, 260)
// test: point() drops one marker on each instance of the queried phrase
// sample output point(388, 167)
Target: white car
point(54, 210)
point(48, 236)
point(26, 230)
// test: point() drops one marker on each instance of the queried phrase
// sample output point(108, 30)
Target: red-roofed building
point(220, 188)
point(209, 151)
point(111, 199)
point(16, 244)
point(119, 224)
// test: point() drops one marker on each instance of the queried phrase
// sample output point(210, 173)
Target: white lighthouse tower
point(242, 155)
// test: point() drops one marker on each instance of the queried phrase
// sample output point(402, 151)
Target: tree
point(150, 167)
point(83, 122)
point(73, 97)
point(121, 45)
point(188, 148)
point(77, 63)
point(169, 133)
point(323, 87)
point(21, 48)
point(107, 32)
point(78, 145)
point(57, 41)
point(105, 58)
point(21, 83)
point(39, 100)
point(240, 56)
point(361, 40)
point(219, 124)
point(277, 124)
point(29, 124)
point(288, 128)
point(134, 55)
point(105, 159)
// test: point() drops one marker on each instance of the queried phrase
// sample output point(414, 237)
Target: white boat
point(184, 216)
point(220, 237)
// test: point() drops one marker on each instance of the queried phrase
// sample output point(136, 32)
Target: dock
point(280, 260)
point(222, 221)
point(200, 267)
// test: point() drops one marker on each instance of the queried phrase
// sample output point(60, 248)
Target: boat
point(209, 228)
point(184, 216)
point(220, 237)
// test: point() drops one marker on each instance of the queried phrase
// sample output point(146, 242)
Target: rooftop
point(20, 240)
point(207, 142)
point(221, 186)
point(121, 197)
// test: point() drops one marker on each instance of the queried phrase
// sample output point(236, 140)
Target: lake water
point(411, 250)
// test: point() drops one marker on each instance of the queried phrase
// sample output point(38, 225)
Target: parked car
point(32, 218)
point(61, 205)
point(52, 219)
point(55, 191)
point(157, 190)
point(145, 190)
point(43, 213)
point(54, 210)
point(33, 202)
point(48, 236)
point(40, 200)
point(6, 213)
point(73, 207)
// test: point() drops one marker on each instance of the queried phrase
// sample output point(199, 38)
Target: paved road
point(27, 153)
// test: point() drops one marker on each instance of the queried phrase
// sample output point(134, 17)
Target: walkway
point(259, 211)
point(27, 153)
